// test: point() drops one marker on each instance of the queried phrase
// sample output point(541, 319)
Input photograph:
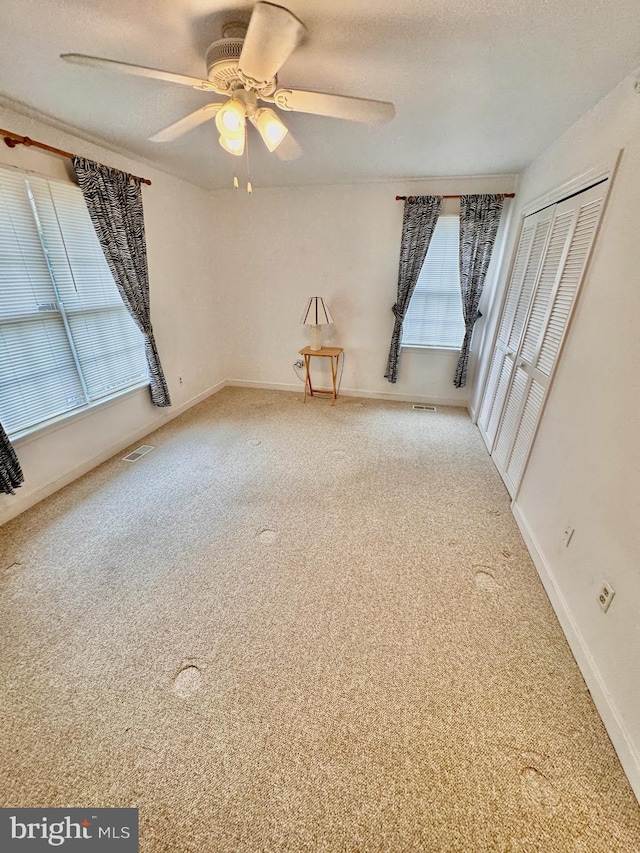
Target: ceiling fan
point(243, 65)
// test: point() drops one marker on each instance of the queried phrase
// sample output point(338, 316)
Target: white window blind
point(66, 339)
point(434, 317)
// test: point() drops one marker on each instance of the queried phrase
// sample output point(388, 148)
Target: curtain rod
point(13, 139)
point(411, 197)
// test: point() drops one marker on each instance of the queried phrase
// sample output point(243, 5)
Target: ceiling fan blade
point(272, 36)
point(288, 148)
point(138, 71)
point(183, 125)
point(334, 106)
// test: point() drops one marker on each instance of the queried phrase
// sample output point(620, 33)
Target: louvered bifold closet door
point(588, 217)
point(533, 240)
point(572, 234)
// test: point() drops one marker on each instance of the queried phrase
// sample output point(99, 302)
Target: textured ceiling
point(479, 88)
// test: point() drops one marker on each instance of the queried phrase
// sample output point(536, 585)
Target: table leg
point(307, 379)
point(334, 374)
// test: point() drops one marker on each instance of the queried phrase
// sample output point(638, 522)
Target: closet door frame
point(537, 375)
point(521, 393)
point(579, 183)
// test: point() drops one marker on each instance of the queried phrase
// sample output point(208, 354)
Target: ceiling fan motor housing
point(222, 63)
point(222, 67)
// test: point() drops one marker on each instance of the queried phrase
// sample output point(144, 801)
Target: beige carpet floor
point(300, 628)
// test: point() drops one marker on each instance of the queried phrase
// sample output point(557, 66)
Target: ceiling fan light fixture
point(270, 128)
point(230, 119)
point(244, 65)
point(233, 146)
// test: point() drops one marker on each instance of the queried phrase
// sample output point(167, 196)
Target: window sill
point(424, 348)
point(34, 433)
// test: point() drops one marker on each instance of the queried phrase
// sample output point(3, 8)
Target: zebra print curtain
point(114, 201)
point(420, 216)
point(10, 472)
point(479, 220)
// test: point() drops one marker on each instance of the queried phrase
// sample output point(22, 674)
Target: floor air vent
point(137, 454)
point(420, 408)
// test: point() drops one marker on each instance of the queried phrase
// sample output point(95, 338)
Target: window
point(66, 338)
point(434, 317)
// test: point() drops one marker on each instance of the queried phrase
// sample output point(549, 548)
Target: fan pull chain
point(246, 154)
point(236, 183)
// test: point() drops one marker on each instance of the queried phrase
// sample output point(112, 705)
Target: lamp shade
point(233, 146)
point(316, 313)
point(271, 129)
point(230, 119)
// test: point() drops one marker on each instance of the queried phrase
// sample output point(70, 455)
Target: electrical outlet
point(567, 534)
point(298, 364)
point(605, 596)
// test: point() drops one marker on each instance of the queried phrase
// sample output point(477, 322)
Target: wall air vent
point(137, 454)
point(420, 408)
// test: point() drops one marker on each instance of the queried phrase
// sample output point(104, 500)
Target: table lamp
point(316, 314)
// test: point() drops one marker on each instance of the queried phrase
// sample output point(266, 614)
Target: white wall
point(186, 312)
point(342, 243)
point(585, 464)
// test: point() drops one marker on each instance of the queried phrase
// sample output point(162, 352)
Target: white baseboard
point(19, 504)
point(266, 386)
point(351, 392)
point(620, 737)
point(406, 398)
point(209, 392)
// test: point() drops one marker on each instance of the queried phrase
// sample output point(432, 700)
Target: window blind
point(434, 317)
point(66, 339)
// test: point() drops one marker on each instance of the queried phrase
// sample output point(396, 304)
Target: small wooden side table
point(332, 353)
